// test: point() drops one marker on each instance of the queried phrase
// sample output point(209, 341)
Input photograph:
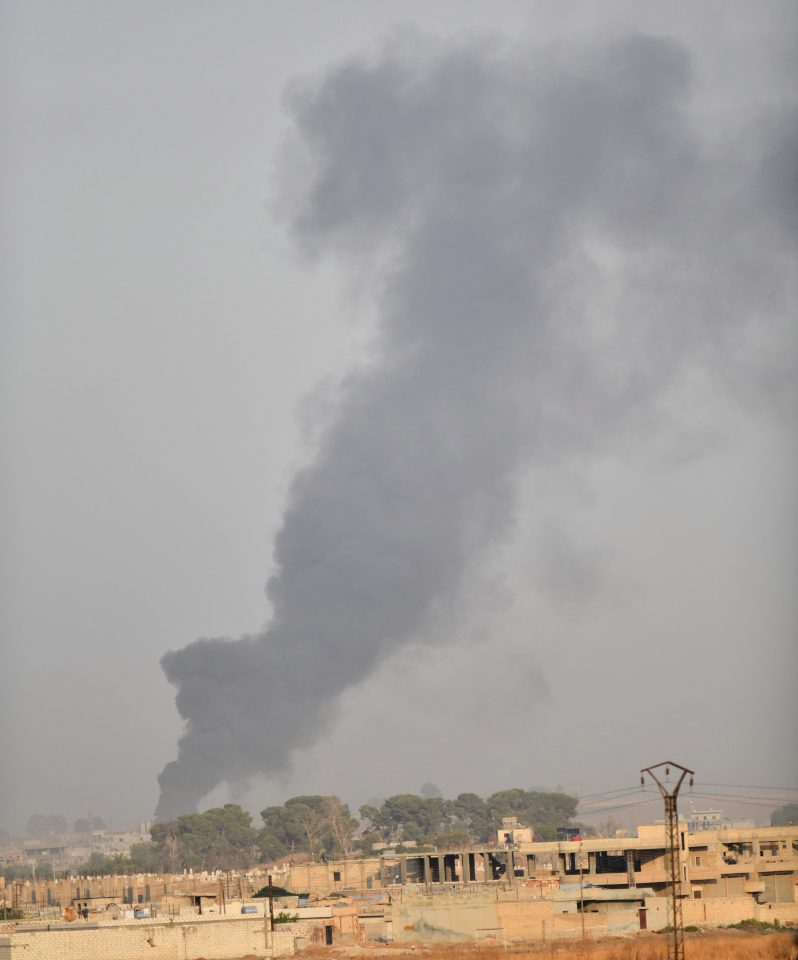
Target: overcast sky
point(199, 300)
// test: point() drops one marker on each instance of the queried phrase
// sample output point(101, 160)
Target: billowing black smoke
point(557, 234)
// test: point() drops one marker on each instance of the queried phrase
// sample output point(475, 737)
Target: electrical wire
point(739, 796)
point(744, 786)
point(618, 796)
point(604, 802)
point(620, 806)
point(589, 796)
point(768, 804)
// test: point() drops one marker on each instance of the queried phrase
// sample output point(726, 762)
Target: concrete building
point(712, 819)
point(527, 890)
point(60, 852)
point(513, 834)
point(760, 863)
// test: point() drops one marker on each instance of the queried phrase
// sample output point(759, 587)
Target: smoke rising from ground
point(557, 237)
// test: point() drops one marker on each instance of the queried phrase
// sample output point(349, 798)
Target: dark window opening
point(610, 863)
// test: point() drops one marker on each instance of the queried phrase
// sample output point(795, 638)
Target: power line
point(588, 796)
point(744, 786)
point(697, 783)
point(609, 799)
point(596, 799)
point(757, 797)
point(768, 804)
point(620, 806)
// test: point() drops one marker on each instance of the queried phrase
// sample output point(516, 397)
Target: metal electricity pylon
point(672, 844)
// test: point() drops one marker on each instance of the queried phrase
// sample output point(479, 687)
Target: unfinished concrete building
point(760, 862)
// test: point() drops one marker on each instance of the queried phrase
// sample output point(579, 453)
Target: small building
point(513, 834)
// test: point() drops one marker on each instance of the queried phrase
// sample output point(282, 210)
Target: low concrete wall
point(720, 911)
point(216, 939)
point(448, 917)
point(445, 917)
point(541, 920)
point(284, 940)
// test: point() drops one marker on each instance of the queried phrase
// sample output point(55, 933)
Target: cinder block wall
point(207, 939)
point(720, 911)
point(319, 879)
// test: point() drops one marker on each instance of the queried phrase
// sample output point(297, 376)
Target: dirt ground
point(714, 945)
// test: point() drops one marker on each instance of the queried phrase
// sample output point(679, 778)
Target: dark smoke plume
point(557, 236)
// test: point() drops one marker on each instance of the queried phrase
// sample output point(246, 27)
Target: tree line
point(224, 838)
point(45, 824)
point(468, 818)
point(323, 827)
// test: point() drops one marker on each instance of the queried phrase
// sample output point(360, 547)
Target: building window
point(336, 875)
point(698, 861)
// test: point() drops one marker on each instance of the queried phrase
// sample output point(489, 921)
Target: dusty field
point(720, 945)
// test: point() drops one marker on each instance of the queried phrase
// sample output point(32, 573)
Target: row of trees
point(44, 824)
point(224, 837)
point(323, 826)
point(468, 818)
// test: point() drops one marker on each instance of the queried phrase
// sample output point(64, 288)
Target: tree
point(341, 826)
point(101, 865)
point(407, 816)
point(308, 824)
point(146, 857)
point(86, 825)
point(451, 838)
point(469, 812)
point(786, 816)
point(366, 842)
point(310, 821)
point(41, 823)
point(543, 810)
point(430, 790)
point(371, 813)
point(218, 839)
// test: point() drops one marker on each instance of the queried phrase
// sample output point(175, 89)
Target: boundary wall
point(213, 939)
point(484, 915)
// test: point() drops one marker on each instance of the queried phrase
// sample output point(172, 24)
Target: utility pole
point(582, 899)
point(670, 796)
point(271, 904)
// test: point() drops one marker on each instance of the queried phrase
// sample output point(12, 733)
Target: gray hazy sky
point(179, 309)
